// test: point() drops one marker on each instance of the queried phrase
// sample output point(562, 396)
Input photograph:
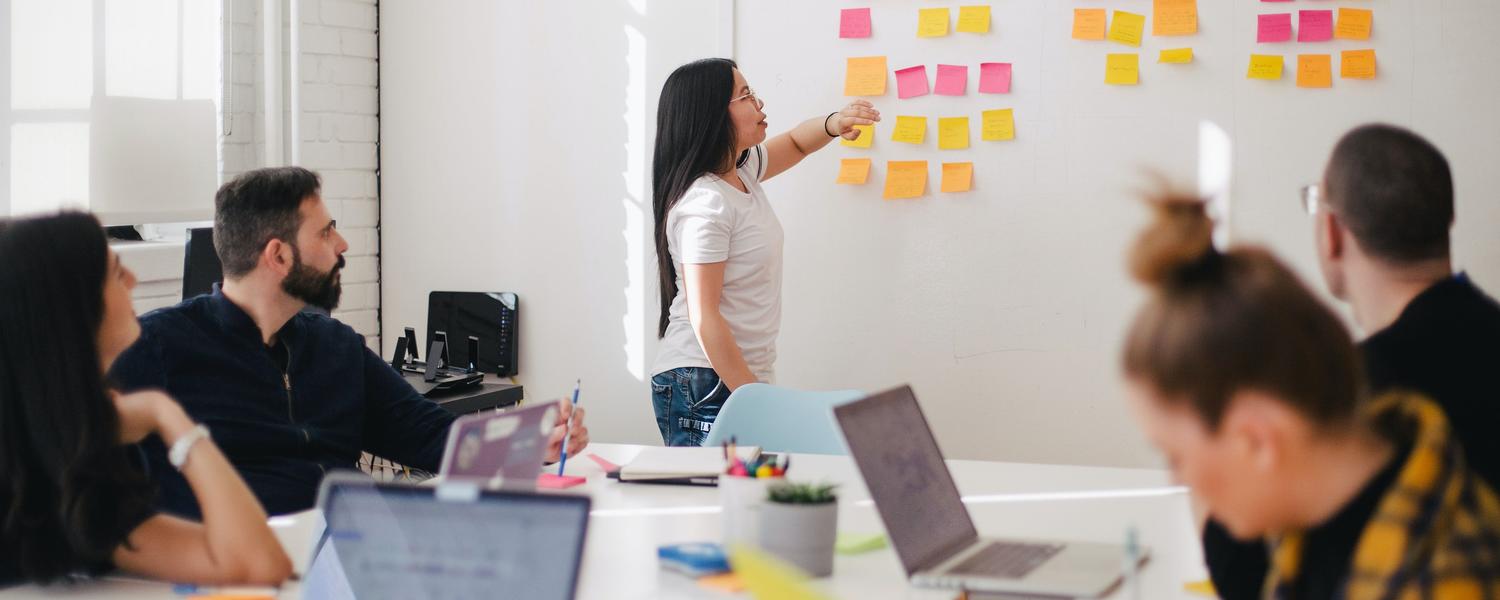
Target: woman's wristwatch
point(178, 454)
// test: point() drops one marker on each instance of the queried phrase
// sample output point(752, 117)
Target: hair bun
point(1179, 240)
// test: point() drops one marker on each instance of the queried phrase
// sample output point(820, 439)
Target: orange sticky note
point(854, 171)
point(1314, 70)
point(953, 133)
point(865, 76)
point(912, 130)
point(958, 177)
point(865, 140)
point(998, 125)
point(1265, 66)
point(974, 19)
point(1354, 24)
point(905, 179)
point(1126, 28)
point(1122, 69)
point(1089, 23)
point(728, 583)
point(932, 22)
point(1174, 17)
point(1357, 64)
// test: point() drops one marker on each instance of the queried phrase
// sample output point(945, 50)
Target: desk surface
point(1005, 499)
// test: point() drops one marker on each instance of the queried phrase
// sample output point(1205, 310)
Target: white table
point(1005, 499)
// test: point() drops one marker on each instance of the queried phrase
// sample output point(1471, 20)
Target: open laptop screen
point(893, 446)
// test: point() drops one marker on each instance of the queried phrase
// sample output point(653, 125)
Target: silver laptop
point(453, 540)
point(500, 449)
point(893, 446)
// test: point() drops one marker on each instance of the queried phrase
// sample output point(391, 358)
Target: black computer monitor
point(200, 264)
point(489, 316)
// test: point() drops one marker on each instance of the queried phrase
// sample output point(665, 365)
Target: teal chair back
point(779, 419)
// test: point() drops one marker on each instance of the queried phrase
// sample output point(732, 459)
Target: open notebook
point(681, 463)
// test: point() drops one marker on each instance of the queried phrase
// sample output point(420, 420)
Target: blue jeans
point(687, 401)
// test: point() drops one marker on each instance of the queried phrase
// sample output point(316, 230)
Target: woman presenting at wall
point(718, 243)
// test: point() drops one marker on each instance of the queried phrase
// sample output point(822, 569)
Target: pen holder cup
point(801, 534)
point(741, 499)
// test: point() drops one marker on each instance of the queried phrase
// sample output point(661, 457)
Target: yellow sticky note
point(1314, 70)
point(854, 171)
point(865, 140)
point(1357, 64)
point(1174, 17)
point(911, 130)
point(998, 125)
point(865, 76)
point(1127, 27)
point(932, 22)
point(1354, 24)
point(1122, 69)
point(1203, 588)
point(958, 177)
point(1089, 23)
point(974, 19)
point(1176, 56)
point(768, 577)
point(905, 179)
point(953, 133)
point(1265, 66)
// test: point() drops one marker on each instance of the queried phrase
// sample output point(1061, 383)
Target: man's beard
point(313, 286)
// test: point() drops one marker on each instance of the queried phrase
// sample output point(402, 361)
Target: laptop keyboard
point(1006, 559)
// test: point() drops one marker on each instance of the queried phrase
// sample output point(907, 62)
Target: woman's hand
point(858, 112)
point(146, 412)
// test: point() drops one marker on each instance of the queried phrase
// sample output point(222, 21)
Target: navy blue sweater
point(282, 429)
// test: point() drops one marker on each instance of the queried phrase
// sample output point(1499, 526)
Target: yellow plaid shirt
point(1435, 533)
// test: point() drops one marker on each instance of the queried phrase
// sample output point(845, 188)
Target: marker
point(562, 463)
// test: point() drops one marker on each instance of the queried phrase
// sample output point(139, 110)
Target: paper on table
point(952, 80)
point(998, 125)
point(953, 133)
point(855, 171)
point(1122, 69)
point(1089, 23)
point(1174, 17)
point(1314, 70)
point(974, 19)
point(905, 178)
point(1265, 66)
point(958, 177)
point(865, 76)
point(1357, 64)
point(912, 82)
point(1126, 28)
point(854, 23)
point(932, 22)
point(1275, 27)
point(680, 462)
point(994, 78)
point(1354, 24)
point(1314, 25)
point(1176, 56)
point(865, 140)
point(911, 130)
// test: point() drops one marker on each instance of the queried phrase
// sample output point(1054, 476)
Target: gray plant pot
point(801, 534)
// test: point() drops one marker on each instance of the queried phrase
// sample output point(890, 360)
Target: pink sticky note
point(912, 82)
point(952, 80)
point(854, 23)
point(553, 481)
point(1275, 28)
point(1314, 25)
point(603, 463)
point(994, 78)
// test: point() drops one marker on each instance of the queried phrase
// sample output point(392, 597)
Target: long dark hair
point(694, 136)
point(66, 483)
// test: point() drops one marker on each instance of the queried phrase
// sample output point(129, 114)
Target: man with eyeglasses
point(1382, 215)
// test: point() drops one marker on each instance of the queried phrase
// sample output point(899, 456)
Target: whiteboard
point(1005, 307)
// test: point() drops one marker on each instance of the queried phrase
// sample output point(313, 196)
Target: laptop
point(500, 449)
point(455, 540)
point(929, 526)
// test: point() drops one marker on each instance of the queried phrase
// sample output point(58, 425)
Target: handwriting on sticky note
point(1276, 27)
point(1314, 70)
point(1357, 64)
point(1126, 28)
point(952, 80)
point(1122, 69)
point(905, 178)
point(1354, 24)
point(932, 22)
point(1314, 25)
point(1089, 23)
point(865, 76)
point(910, 130)
point(1174, 17)
point(953, 133)
point(998, 125)
point(912, 82)
point(865, 140)
point(1176, 56)
point(994, 78)
point(854, 171)
point(1265, 66)
point(958, 177)
point(974, 19)
point(854, 23)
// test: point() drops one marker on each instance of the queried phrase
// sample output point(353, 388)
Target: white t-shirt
point(715, 222)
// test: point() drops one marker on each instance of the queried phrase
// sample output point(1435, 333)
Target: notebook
point(681, 463)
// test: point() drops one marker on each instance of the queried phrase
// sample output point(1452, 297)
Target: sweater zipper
point(286, 380)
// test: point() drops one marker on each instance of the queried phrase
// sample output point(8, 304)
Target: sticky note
point(1174, 17)
point(1354, 24)
point(553, 481)
point(957, 177)
point(1122, 69)
point(1205, 587)
point(1176, 56)
point(1314, 25)
point(905, 178)
point(1357, 64)
point(953, 133)
point(766, 576)
point(1276, 27)
point(854, 171)
point(932, 22)
point(865, 76)
point(727, 583)
point(1126, 28)
point(998, 125)
point(994, 78)
point(865, 140)
point(952, 80)
point(854, 23)
point(1089, 23)
point(911, 130)
point(1314, 70)
point(858, 543)
point(1265, 66)
point(912, 82)
point(974, 19)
